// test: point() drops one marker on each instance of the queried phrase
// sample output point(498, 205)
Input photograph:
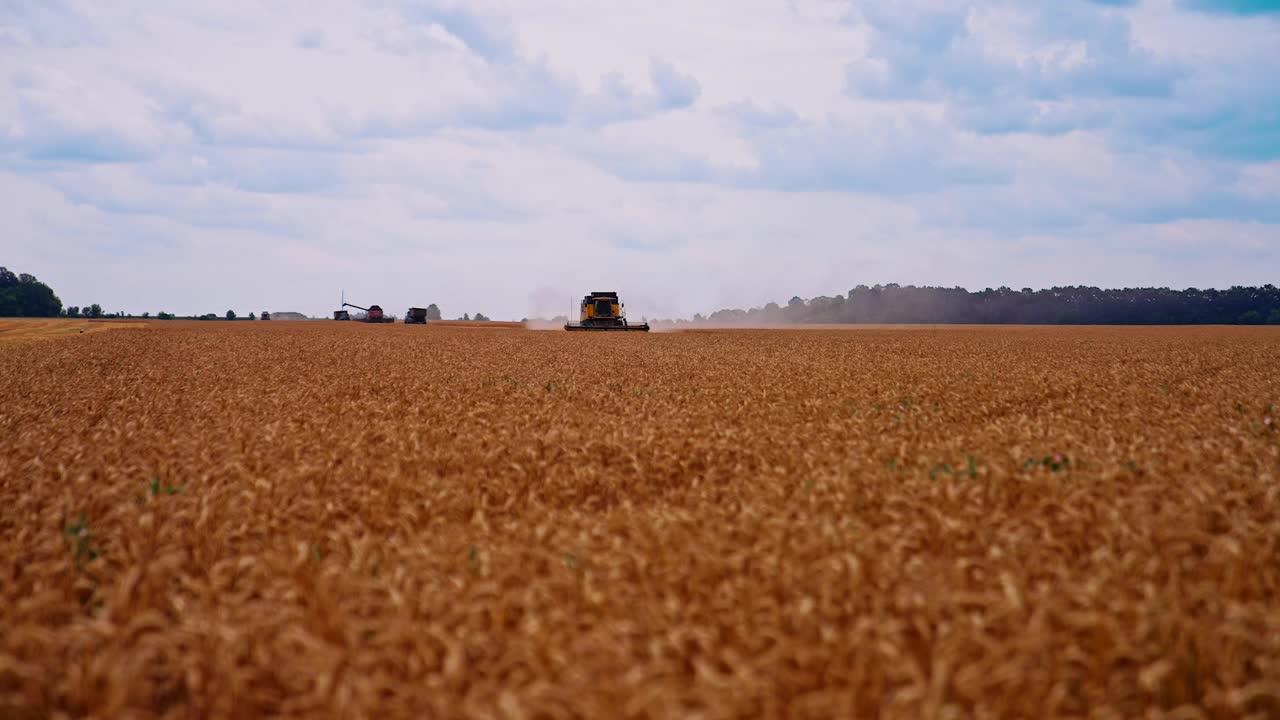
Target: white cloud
point(492, 156)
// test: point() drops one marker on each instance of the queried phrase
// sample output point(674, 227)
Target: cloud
point(871, 155)
point(51, 115)
point(1236, 7)
point(359, 78)
point(675, 89)
point(491, 37)
point(48, 24)
point(750, 116)
point(207, 154)
point(616, 100)
point(1000, 68)
point(1005, 54)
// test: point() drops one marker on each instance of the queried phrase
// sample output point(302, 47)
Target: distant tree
point(1273, 318)
point(895, 303)
point(465, 316)
point(146, 315)
point(94, 311)
point(480, 318)
point(73, 311)
point(24, 296)
point(231, 314)
point(162, 315)
point(433, 312)
point(253, 316)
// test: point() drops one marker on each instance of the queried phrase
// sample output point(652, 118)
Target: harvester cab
point(341, 315)
point(372, 314)
point(603, 311)
point(415, 316)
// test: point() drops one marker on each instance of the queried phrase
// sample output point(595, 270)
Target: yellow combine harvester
point(602, 311)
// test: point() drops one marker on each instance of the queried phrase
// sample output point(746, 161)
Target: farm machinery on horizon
point(375, 314)
point(602, 310)
point(598, 311)
point(372, 314)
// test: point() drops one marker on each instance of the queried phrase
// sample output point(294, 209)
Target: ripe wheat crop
point(18, 330)
point(333, 519)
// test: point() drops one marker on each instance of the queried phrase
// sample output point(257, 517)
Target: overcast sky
point(507, 157)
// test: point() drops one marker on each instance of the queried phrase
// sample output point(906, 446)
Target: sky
point(506, 157)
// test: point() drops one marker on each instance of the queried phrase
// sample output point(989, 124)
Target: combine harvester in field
point(602, 311)
point(372, 314)
point(415, 316)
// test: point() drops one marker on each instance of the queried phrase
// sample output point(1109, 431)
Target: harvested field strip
point(15, 330)
point(238, 519)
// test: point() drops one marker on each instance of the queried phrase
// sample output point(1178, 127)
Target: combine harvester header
point(602, 311)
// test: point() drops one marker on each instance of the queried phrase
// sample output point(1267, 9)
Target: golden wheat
point(16, 330)
point(333, 519)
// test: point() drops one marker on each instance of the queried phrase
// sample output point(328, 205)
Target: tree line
point(22, 295)
point(1078, 305)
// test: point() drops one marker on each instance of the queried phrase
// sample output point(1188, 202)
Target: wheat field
point(21, 330)
point(339, 520)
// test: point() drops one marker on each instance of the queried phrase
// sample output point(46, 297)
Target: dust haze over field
point(299, 519)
